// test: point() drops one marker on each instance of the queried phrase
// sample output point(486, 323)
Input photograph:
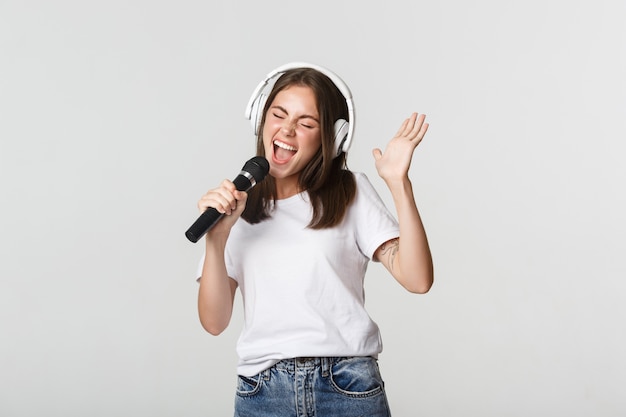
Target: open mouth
point(283, 151)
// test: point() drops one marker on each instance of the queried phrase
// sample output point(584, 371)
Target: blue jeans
point(320, 387)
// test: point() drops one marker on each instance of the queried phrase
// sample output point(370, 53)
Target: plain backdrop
point(116, 116)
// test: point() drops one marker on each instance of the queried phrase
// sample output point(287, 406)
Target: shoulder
point(363, 184)
point(360, 178)
point(366, 196)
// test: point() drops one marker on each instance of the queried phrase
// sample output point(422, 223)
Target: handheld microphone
point(253, 172)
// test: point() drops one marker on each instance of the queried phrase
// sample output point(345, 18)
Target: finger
point(215, 201)
point(412, 126)
point(418, 129)
point(422, 132)
point(417, 126)
point(377, 153)
point(413, 120)
point(227, 190)
point(222, 199)
point(229, 185)
point(240, 196)
point(403, 128)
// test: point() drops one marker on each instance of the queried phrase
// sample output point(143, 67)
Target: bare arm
point(407, 258)
point(216, 294)
point(217, 290)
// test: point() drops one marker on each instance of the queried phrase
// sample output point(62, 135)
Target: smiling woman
point(291, 137)
point(301, 249)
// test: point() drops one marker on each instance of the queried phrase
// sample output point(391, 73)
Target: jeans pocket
point(357, 377)
point(248, 386)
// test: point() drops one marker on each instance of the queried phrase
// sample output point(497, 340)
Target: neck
point(286, 187)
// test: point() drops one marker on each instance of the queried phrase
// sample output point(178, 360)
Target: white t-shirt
point(302, 288)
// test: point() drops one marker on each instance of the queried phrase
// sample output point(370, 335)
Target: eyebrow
point(304, 116)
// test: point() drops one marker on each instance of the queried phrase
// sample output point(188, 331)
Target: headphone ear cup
point(341, 132)
point(256, 113)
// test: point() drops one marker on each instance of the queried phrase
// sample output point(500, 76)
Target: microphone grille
point(258, 167)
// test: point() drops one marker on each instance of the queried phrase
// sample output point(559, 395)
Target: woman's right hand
point(226, 199)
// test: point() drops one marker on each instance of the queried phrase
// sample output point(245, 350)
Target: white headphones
point(344, 130)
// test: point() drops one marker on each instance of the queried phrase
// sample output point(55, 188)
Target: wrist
point(400, 184)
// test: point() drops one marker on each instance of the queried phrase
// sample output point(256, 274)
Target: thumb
point(377, 153)
point(241, 196)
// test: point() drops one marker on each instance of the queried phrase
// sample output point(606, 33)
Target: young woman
point(300, 251)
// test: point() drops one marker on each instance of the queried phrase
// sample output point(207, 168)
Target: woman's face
point(291, 133)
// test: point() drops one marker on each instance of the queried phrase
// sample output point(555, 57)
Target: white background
point(116, 116)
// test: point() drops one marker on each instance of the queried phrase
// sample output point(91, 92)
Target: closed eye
point(306, 121)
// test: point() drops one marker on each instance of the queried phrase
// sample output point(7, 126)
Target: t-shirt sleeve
point(199, 270)
point(230, 267)
point(374, 222)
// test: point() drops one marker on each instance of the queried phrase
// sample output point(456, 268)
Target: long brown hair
point(330, 185)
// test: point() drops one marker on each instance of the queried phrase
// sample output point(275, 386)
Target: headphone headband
point(256, 102)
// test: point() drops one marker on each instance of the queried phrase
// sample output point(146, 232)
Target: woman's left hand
point(393, 164)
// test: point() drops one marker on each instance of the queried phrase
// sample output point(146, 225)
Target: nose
point(288, 127)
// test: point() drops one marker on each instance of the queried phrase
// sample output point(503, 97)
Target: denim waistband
point(293, 364)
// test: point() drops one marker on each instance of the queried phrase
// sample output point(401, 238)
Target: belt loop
point(326, 363)
point(266, 374)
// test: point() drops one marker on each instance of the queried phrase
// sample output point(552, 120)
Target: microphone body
point(253, 172)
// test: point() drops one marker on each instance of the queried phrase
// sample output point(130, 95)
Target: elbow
point(214, 330)
point(418, 289)
point(419, 284)
point(416, 275)
point(212, 327)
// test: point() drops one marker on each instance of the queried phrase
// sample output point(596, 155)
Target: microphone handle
point(203, 224)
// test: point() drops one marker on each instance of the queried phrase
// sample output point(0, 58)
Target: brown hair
point(330, 185)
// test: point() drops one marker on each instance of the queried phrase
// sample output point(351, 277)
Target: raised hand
point(393, 165)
